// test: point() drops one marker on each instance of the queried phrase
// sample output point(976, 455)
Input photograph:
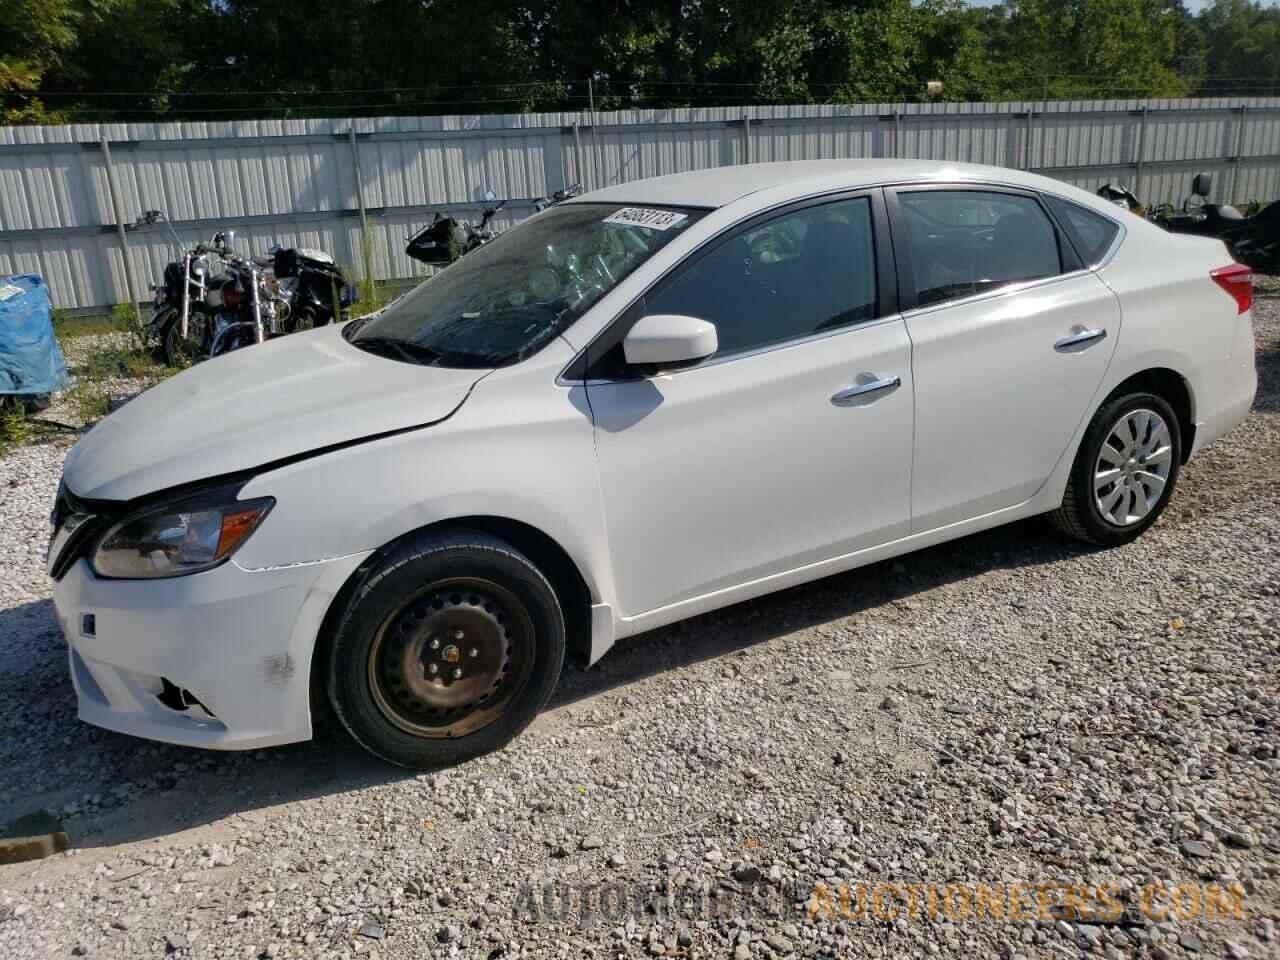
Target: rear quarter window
point(1092, 233)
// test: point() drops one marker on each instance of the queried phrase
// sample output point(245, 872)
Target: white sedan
point(640, 405)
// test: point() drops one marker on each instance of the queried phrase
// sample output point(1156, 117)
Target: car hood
point(255, 406)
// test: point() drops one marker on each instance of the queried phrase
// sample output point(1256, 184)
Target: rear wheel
point(449, 650)
point(1124, 472)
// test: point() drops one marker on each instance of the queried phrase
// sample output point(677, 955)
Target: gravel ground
point(1005, 709)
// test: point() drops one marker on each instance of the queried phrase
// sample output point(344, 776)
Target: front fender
point(535, 465)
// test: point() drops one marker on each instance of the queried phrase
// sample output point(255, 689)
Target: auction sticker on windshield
point(644, 217)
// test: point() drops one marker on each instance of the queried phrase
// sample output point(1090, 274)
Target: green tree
point(1242, 47)
point(1062, 49)
point(36, 35)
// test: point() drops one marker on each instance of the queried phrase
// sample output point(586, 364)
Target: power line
point(299, 93)
point(560, 84)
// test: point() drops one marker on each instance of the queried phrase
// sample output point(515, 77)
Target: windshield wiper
point(404, 349)
point(353, 327)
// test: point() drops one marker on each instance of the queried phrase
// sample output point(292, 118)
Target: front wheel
point(1124, 472)
point(448, 650)
point(176, 351)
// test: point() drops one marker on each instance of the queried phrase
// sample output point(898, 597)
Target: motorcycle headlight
point(181, 537)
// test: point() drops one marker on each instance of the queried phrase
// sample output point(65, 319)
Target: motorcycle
point(1252, 240)
point(1122, 197)
point(312, 286)
point(445, 239)
point(212, 300)
point(558, 197)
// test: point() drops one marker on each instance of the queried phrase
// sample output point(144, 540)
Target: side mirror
point(668, 339)
point(490, 196)
point(1201, 184)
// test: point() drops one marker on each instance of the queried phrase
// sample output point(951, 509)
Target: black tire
point(174, 352)
point(156, 332)
point(302, 319)
point(495, 597)
point(1080, 516)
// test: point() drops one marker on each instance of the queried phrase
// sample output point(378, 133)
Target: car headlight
point(180, 537)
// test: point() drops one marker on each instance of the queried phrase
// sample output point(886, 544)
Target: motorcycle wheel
point(155, 332)
point(304, 319)
point(176, 351)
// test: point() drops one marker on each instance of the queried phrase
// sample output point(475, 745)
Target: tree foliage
point(222, 59)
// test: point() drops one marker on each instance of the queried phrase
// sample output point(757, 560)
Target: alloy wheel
point(1132, 468)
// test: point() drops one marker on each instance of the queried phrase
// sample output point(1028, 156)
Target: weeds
point(14, 427)
point(19, 427)
point(125, 319)
point(90, 400)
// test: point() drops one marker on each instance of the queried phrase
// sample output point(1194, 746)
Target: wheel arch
point(547, 554)
point(1176, 391)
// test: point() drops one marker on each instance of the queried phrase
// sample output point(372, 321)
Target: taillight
point(1237, 280)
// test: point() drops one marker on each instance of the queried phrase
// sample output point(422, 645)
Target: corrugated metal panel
point(294, 181)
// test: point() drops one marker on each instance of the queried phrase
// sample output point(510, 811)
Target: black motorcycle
point(312, 285)
point(445, 239)
point(1253, 241)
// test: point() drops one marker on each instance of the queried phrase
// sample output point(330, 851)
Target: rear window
point(967, 242)
point(1092, 232)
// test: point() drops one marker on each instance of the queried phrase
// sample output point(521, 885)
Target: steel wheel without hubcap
point(450, 660)
point(1132, 468)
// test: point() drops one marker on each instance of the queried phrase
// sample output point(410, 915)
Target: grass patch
point(68, 326)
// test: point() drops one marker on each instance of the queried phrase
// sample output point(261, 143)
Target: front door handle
point(1080, 339)
point(850, 395)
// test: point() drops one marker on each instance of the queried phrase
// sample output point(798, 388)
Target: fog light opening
point(180, 699)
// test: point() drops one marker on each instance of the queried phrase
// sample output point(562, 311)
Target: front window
point(504, 301)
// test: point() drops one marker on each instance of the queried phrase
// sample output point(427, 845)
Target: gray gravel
point(1006, 708)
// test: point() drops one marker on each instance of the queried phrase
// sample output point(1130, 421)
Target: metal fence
point(359, 187)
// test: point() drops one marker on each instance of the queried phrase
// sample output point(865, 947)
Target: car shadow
point(126, 790)
point(726, 631)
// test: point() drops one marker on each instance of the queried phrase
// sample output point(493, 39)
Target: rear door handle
point(1080, 339)
point(848, 396)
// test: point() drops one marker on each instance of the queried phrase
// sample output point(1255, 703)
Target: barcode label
point(645, 217)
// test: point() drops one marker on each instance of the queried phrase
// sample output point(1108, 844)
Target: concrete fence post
point(581, 174)
point(1233, 197)
point(366, 254)
point(113, 190)
point(1140, 151)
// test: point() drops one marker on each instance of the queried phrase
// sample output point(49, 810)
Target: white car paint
point(672, 495)
point(976, 364)
point(250, 407)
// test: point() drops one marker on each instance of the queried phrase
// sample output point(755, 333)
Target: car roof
point(719, 186)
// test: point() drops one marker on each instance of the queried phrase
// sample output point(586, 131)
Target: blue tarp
point(30, 361)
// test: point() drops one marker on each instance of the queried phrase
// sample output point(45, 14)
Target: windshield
point(505, 300)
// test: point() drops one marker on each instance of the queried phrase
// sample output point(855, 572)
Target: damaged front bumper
point(220, 659)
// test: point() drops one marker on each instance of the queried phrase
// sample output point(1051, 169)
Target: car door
point(1010, 340)
point(792, 443)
